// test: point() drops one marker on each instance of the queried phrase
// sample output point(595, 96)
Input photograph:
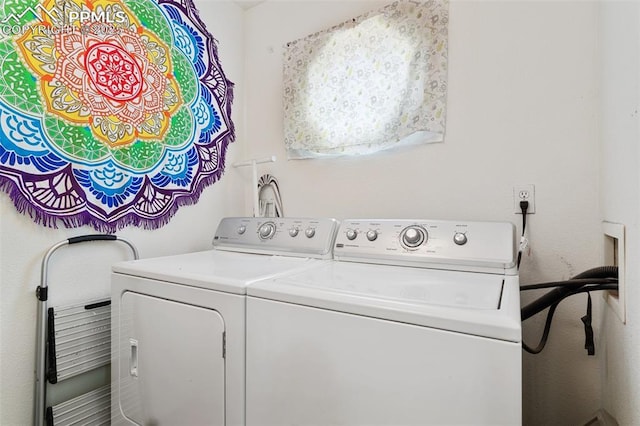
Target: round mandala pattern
point(112, 112)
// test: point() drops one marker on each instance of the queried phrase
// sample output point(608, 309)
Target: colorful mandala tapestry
point(111, 112)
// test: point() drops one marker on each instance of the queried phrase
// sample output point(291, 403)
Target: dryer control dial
point(267, 230)
point(413, 237)
point(352, 234)
point(310, 232)
point(294, 232)
point(241, 229)
point(372, 235)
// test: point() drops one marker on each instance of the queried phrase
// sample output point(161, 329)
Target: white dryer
point(178, 322)
point(413, 323)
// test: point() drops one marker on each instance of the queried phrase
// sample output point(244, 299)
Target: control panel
point(289, 236)
point(456, 245)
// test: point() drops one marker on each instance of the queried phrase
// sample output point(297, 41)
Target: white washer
point(178, 322)
point(414, 323)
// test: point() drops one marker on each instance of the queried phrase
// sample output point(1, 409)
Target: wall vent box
point(614, 255)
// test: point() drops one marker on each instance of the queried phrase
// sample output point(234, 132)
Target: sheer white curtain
point(368, 84)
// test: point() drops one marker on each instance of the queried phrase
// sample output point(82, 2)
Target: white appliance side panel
point(171, 364)
point(312, 366)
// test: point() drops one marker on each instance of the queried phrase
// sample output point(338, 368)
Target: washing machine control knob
point(267, 230)
point(413, 236)
point(310, 232)
point(294, 232)
point(460, 238)
point(372, 235)
point(241, 229)
point(352, 234)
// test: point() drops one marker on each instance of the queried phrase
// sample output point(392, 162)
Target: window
point(368, 84)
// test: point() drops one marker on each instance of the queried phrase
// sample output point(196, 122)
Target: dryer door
point(167, 349)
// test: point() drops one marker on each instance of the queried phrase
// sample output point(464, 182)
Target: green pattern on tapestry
point(140, 156)
point(18, 87)
point(151, 18)
point(182, 125)
point(185, 75)
point(75, 141)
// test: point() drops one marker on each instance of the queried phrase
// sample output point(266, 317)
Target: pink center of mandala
point(113, 72)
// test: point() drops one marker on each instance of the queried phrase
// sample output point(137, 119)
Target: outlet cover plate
point(526, 192)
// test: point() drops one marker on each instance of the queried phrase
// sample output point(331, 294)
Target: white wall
point(522, 108)
point(620, 196)
point(23, 243)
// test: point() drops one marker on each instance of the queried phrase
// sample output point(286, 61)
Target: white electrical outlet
point(524, 193)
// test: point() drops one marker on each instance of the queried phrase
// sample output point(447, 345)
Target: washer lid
point(473, 303)
point(214, 269)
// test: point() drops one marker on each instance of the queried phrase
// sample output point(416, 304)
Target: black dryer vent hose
point(599, 272)
point(563, 289)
